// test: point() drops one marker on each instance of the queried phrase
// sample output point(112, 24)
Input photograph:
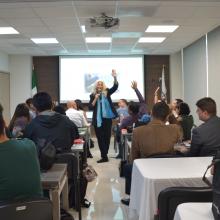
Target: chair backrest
point(71, 160)
point(171, 197)
point(26, 209)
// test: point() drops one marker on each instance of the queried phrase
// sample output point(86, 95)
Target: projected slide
point(79, 75)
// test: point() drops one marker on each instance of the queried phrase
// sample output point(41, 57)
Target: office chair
point(171, 197)
point(26, 209)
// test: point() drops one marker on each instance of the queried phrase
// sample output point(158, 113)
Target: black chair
point(26, 209)
point(171, 197)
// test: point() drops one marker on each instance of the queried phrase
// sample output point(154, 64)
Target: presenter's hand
point(97, 95)
point(134, 84)
point(114, 74)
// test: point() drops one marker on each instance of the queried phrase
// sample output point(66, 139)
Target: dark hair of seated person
point(133, 108)
point(60, 109)
point(79, 104)
point(160, 111)
point(42, 101)
point(21, 111)
point(183, 108)
point(207, 104)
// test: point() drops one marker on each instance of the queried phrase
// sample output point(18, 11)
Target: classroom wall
point(176, 77)
point(20, 68)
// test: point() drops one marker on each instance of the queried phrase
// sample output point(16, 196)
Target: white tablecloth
point(194, 211)
point(151, 176)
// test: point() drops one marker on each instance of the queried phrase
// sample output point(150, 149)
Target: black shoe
point(125, 201)
point(86, 203)
point(103, 160)
point(90, 155)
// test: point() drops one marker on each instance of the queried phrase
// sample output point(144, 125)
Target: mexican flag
point(34, 83)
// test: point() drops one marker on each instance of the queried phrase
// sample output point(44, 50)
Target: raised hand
point(114, 74)
point(134, 84)
point(157, 89)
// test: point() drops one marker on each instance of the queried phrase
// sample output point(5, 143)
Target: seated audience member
point(80, 108)
point(19, 167)
point(206, 138)
point(135, 110)
point(122, 109)
point(50, 125)
point(185, 120)
point(32, 110)
point(54, 127)
point(19, 121)
point(174, 105)
point(76, 116)
point(59, 109)
point(152, 139)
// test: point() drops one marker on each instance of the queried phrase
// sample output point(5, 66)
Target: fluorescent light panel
point(45, 40)
point(98, 39)
point(161, 28)
point(151, 39)
point(8, 30)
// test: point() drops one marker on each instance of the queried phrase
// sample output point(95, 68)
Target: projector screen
point(78, 76)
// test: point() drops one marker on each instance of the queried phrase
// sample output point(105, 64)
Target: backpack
point(46, 154)
point(215, 185)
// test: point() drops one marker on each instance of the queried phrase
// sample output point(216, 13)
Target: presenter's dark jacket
point(206, 138)
point(94, 108)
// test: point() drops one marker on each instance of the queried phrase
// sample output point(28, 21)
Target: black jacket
point(94, 108)
point(206, 138)
point(54, 127)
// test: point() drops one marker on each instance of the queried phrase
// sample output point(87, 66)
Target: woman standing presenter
point(103, 113)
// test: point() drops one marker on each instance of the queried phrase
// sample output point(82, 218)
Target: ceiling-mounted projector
point(104, 21)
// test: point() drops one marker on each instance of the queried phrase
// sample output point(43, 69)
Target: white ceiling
point(62, 20)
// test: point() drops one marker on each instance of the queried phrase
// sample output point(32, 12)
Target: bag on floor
point(215, 185)
point(89, 173)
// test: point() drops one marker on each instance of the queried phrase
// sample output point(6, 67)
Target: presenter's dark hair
point(42, 101)
point(207, 104)
point(2, 123)
point(160, 111)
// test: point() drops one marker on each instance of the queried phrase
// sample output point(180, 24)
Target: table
point(189, 211)
point(151, 176)
point(56, 181)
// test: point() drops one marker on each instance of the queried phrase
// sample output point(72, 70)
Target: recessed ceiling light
point(98, 39)
point(151, 39)
point(8, 30)
point(45, 40)
point(83, 28)
point(161, 28)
